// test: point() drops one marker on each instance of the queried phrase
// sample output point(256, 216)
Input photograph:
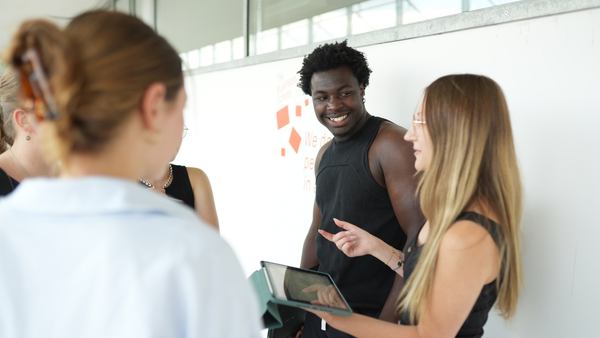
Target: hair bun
point(98, 69)
point(58, 56)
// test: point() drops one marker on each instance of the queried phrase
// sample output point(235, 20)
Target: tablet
point(304, 288)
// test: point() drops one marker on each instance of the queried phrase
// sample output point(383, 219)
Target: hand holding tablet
point(303, 288)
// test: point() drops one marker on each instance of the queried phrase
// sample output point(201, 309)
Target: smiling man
point(365, 176)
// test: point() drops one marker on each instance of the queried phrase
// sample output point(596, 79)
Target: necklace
point(19, 163)
point(166, 183)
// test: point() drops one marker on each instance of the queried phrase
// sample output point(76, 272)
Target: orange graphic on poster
point(304, 142)
point(283, 117)
point(295, 139)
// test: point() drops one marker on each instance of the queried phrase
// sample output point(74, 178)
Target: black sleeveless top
point(15, 183)
point(347, 191)
point(180, 188)
point(7, 183)
point(473, 326)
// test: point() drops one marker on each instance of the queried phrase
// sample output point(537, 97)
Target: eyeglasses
point(185, 130)
point(416, 122)
point(34, 86)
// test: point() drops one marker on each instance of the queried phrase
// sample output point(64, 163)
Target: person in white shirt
point(93, 253)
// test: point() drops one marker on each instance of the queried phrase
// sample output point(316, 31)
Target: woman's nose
point(410, 134)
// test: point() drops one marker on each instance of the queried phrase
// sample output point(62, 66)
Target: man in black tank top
point(365, 176)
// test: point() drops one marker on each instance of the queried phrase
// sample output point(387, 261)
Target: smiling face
point(418, 134)
point(337, 99)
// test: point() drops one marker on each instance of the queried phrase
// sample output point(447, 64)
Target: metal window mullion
point(310, 30)
point(245, 28)
point(349, 21)
point(399, 12)
point(155, 15)
point(466, 5)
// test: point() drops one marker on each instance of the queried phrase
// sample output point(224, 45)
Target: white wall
point(549, 69)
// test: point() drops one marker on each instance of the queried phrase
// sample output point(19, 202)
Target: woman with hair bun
point(93, 253)
point(466, 257)
point(20, 154)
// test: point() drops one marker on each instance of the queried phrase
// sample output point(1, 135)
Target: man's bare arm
point(395, 159)
point(309, 250)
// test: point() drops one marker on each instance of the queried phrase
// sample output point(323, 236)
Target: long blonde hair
point(473, 160)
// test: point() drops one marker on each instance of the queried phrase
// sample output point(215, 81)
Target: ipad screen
point(304, 286)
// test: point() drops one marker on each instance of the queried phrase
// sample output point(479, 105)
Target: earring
point(28, 137)
point(364, 100)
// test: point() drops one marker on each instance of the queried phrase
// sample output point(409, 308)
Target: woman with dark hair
point(94, 254)
point(466, 256)
point(20, 154)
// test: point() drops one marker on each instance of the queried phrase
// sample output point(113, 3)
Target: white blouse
point(105, 257)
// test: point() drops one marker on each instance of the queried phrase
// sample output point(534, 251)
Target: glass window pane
point(267, 41)
point(299, 22)
point(295, 34)
point(194, 58)
point(237, 47)
point(373, 15)
point(420, 10)
point(330, 25)
point(208, 31)
point(223, 51)
point(479, 4)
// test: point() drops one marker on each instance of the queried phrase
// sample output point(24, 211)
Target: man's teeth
point(338, 119)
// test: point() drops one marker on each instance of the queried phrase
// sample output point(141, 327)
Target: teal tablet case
point(269, 306)
point(268, 309)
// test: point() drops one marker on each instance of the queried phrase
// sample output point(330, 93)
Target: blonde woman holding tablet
point(466, 258)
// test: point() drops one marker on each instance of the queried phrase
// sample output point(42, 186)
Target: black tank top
point(347, 190)
point(473, 326)
point(181, 188)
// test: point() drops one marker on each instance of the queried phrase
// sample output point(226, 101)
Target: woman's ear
point(152, 102)
point(23, 120)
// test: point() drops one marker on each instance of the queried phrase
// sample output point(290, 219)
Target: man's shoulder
point(390, 151)
point(390, 138)
point(390, 129)
point(322, 151)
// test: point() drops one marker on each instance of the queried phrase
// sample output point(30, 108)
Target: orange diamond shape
point(295, 139)
point(298, 110)
point(283, 117)
point(306, 102)
point(282, 151)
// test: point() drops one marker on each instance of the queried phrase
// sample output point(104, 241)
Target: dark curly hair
point(331, 56)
